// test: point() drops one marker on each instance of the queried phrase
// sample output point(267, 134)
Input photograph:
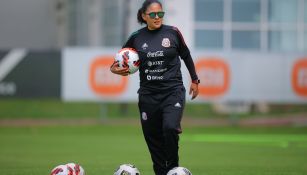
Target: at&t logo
point(154, 63)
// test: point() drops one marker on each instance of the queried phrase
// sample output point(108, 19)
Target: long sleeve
point(185, 55)
point(190, 66)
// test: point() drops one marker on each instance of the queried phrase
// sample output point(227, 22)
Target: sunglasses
point(153, 15)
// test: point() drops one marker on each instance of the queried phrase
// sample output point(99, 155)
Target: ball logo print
point(102, 81)
point(299, 77)
point(215, 76)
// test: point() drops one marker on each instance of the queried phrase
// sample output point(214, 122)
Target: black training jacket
point(159, 52)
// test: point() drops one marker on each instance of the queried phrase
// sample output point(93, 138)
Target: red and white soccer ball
point(127, 169)
point(179, 171)
point(68, 169)
point(128, 57)
point(77, 169)
point(62, 170)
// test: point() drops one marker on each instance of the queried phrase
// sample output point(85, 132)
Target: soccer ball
point(127, 169)
point(77, 169)
point(128, 57)
point(179, 171)
point(62, 170)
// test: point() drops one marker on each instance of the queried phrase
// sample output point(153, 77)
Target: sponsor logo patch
point(155, 70)
point(155, 54)
point(155, 63)
point(149, 78)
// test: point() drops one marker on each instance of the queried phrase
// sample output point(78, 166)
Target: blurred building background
point(223, 25)
point(261, 45)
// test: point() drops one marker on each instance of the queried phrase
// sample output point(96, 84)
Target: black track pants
point(160, 117)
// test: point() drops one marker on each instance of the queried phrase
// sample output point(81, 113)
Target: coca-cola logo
point(155, 54)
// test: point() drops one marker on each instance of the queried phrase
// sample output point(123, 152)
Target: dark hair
point(143, 9)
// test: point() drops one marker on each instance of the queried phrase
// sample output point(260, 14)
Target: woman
point(161, 92)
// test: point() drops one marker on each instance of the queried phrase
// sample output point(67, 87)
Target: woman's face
point(153, 16)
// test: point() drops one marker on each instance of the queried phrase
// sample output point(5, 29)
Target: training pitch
point(35, 150)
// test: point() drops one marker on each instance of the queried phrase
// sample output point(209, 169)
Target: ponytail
point(140, 18)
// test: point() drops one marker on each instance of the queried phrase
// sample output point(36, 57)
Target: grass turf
point(11, 108)
point(205, 151)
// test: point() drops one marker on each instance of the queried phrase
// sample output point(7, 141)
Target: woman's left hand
point(194, 90)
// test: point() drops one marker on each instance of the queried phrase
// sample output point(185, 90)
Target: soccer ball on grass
point(179, 171)
point(127, 169)
point(62, 170)
point(68, 169)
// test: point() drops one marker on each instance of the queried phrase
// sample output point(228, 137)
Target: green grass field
point(56, 109)
point(205, 151)
point(100, 148)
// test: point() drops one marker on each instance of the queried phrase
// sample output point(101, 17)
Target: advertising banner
point(235, 77)
point(86, 76)
point(30, 74)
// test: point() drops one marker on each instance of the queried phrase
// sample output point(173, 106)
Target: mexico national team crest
point(166, 42)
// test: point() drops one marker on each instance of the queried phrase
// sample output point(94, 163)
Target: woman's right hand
point(124, 71)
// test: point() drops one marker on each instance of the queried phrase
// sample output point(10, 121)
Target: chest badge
point(166, 42)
